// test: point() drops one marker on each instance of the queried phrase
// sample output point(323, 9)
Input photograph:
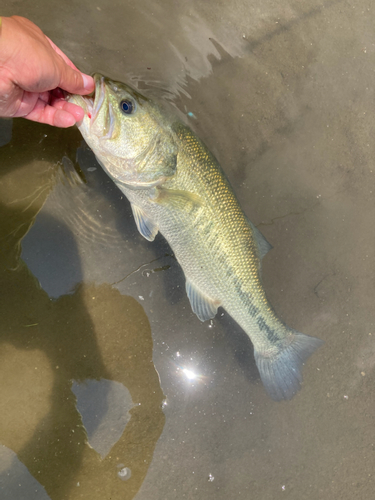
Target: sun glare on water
point(190, 375)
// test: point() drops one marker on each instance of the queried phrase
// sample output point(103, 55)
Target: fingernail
point(88, 82)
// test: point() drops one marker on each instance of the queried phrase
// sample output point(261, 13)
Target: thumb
point(74, 81)
point(71, 79)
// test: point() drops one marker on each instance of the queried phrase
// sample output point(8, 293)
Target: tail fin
point(281, 374)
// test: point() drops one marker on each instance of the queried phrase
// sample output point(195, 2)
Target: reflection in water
point(104, 406)
point(5, 132)
point(190, 375)
point(16, 482)
point(84, 211)
point(189, 372)
point(94, 333)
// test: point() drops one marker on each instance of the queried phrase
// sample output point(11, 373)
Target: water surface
point(282, 94)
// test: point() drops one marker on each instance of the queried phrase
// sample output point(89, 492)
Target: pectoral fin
point(204, 307)
point(177, 198)
point(145, 225)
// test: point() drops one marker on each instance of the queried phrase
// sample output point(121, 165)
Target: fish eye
point(127, 106)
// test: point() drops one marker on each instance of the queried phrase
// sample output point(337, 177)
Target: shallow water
point(95, 320)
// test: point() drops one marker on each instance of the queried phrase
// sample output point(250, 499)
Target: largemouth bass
point(176, 186)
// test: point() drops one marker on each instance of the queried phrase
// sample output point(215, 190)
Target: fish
point(177, 187)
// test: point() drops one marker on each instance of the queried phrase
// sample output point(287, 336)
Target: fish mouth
point(99, 94)
point(91, 103)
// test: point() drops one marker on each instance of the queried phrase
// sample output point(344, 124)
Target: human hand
point(32, 73)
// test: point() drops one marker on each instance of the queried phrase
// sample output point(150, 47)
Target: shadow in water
point(92, 333)
point(241, 346)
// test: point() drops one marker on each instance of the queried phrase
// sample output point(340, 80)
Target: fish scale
point(176, 186)
point(235, 247)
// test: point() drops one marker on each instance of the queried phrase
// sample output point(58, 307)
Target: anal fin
point(145, 225)
point(204, 307)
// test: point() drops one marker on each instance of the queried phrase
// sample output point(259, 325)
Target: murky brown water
point(97, 334)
